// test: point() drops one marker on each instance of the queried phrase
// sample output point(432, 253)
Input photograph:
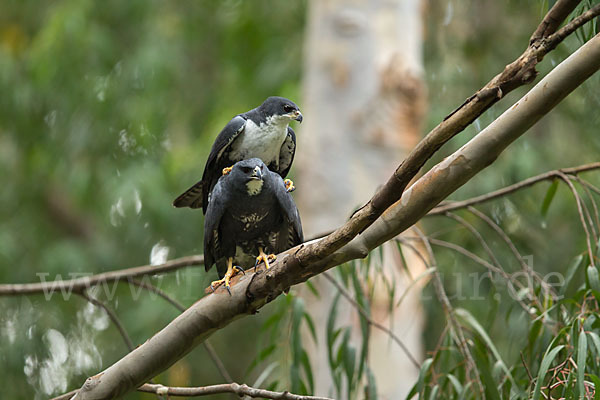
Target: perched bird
point(250, 216)
point(263, 133)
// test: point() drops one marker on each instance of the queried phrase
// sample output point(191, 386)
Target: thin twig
point(586, 211)
point(524, 266)
point(233, 388)
point(159, 292)
point(240, 390)
point(85, 282)
point(588, 191)
point(455, 205)
point(565, 178)
point(477, 235)
point(509, 279)
point(369, 320)
point(113, 317)
point(554, 39)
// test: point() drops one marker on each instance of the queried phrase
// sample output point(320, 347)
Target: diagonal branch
point(250, 292)
point(518, 73)
point(559, 12)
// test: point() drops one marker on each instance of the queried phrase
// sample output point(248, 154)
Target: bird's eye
point(288, 108)
point(246, 170)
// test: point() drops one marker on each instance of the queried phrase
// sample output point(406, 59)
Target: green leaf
point(483, 367)
point(434, 392)
point(593, 280)
point(422, 374)
point(595, 341)
point(457, 385)
point(546, 361)
point(364, 324)
point(311, 327)
point(295, 378)
point(332, 335)
point(549, 197)
point(534, 332)
point(264, 353)
point(571, 270)
point(308, 371)
point(265, 374)
point(469, 319)
point(371, 388)
point(312, 289)
point(297, 315)
point(581, 359)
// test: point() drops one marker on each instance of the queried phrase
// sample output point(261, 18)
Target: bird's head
point(250, 172)
point(281, 109)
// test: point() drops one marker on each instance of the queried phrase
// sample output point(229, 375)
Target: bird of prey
point(250, 216)
point(263, 133)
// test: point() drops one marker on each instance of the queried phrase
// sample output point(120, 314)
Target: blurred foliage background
point(107, 112)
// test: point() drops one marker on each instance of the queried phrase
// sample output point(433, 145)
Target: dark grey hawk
point(250, 216)
point(263, 133)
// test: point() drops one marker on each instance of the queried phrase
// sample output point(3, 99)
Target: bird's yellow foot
point(227, 170)
point(231, 271)
point(289, 185)
point(263, 257)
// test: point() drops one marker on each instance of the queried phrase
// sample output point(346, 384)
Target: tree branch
point(557, 14)
point(520, 72)
point(250, 292)
point(85, 282)
point(550, 175)
point(235, 388)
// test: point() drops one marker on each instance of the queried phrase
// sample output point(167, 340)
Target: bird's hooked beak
point(296, 115)
point(256, 173)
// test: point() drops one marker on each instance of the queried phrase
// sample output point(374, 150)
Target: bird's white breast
point(263, 141)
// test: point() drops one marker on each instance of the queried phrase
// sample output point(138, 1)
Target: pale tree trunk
point(363, 102)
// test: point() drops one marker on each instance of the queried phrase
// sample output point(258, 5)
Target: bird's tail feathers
point(190, 198)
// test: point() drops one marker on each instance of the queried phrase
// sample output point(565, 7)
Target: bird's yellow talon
point(263, 257)
point(289, 185)
point(231, 271)
point(227, 170)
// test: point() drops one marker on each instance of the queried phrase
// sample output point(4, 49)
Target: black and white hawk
point(263, 133)
point(251, 216)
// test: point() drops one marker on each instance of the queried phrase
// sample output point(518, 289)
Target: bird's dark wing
point(290, 212)
point(197, 195)
point(215, 163)
point(287, 152)
point(214, 213)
